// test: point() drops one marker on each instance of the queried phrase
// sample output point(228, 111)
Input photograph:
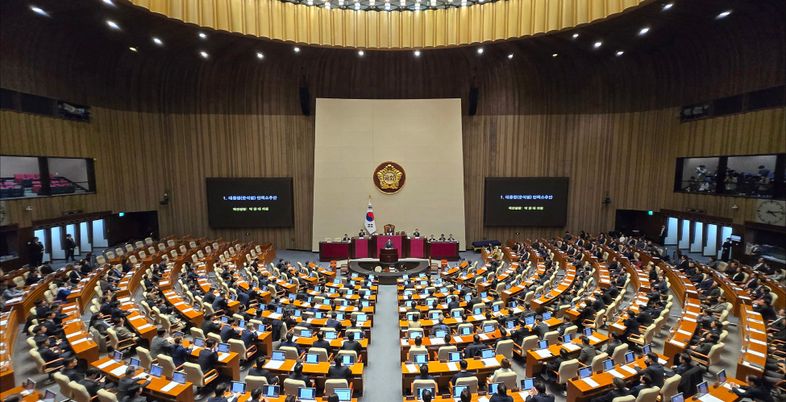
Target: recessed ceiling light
point(668, 6)
point(260, 55)
point(387, 6)
point(480, 50)
point(597, 44)
point(327, 5)
point(203, 54)
point(112, 24)
point(620, 53)
point(417, 53)
point(133, 49)
point(510, 56)
point(202, 35)
point(554, 54)
point(575, 35)
point(361, 53)
point(643, 31)
point(723, 14)
point(357, 6)
point(158, 41)
point(296, 49)
point(38, 10)
point(109, 2)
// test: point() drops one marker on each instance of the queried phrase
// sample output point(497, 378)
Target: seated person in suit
point(228, 331)
point(758, 389)
point(128, 387)
point(501, 395)
point(474, 348)
point(538, 393)
point(259, 370)
point(418, 347)
point(424, 375)
point(208, 358)
point(289, 341)
point(297, 374)
point(503, 369)
point(221, 389)
point(92, 381)
point(463, 373)
point(619, 390)
point(337, 371)
point(645, 381)
point(69, 370)
point(587, 351)
point(179, 352)
point(322, 343)
point(653, 369)
point(351, 344)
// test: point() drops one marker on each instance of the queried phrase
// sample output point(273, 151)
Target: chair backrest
point(567, 370)
point(551, 336)
point(194, 374)
point(237, 346)
point(597, 362)
point(471, 382)
point(530, 342)
point(167, 365)
point(418, 384)
point(289, 351)
point(670, 386)
point(509, 379)
point(648, 394)
point(443, 354)
point(714, 356)
point(255, 382)
point(78, 392)
point(571, 330)
point(352, 353)
point(619, 353)
point(291, 386)
point(414, 352)
point(322, 354)
point(332, 384)
point(145, 359)
point(106, 396)
point(626, 398)
point(62, 383)
point(197, 332)
point(505, 348)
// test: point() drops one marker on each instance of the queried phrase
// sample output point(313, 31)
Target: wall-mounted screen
point(756, 176)
point(249, 202)
point(526, 201)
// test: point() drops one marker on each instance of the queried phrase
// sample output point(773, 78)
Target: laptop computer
point(546, 315)
point(487, 353)
point(678, 398)
point(420, 358)
point(49, 396)
point(117, 355)
point(307, 394)
point(458, 389)
point(199, 342)
point(527, 384)
point(278, 355)
point(493, 387)
point(238, 387)
point(489, 328)
point(585, 372)
point(722, 376)
point(421, 390)
point(343, 394)
point(156, 370)
point(271, 391)
point(347, 360)
point(587, 331)
point(179, 377)
point(454, 357)
point(702, 389)
point(543, 344)
point(223, 348)
point(312, 358)
point(608, 364)
point(134, 362)
point(466, 330)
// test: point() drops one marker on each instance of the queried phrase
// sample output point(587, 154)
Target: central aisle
point(383, 376)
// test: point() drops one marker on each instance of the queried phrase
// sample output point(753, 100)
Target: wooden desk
point(9, 324)
point(114, 370)
point(753, 355)
point(317, 370)
point(77, 335)
point(722, 392)
point(536, 358)
point(31, 397)
point(579, 390)
point(228, 363)
point(442, 371)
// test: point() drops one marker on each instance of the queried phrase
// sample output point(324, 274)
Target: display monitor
point(249, 202)
point(526, 201)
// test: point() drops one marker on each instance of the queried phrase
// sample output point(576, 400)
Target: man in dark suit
point(128, 386)
point(211, 325)
point(337, 371)
point(538, 393)
point(291, 343)
point(587, 351)
point(69, 248)
point(474, 348)
point(208, 358)
point(221, 389)
point(540, 328)
point(92, 381)
point(228, 331)
point(259, 370)
point(249, 337)
point(619, 390)
point(461, 374)
point(351, 344)
point(332, 322)
point(36, 252)
point(70, 370)
point(653, 369)
point(179, 352)
point(322, 343)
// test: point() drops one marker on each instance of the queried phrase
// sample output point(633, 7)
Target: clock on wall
point(771, 212)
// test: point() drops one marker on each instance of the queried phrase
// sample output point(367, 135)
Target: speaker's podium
point(388, 255)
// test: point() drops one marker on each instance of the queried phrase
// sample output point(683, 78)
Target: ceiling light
point(296, 49)
point(158, 41)
point(202, 35)
point(109, 2)
point(133, 49)
point(554, 54)
point(643, 31)
point(38, 10)
point(723, 15)
point(112, 24)
point(417, 53)
point(387, 6)
point(575, 35)
point(260, 55)
point(668, 6)
point(597, 44)
point(480, 50)
point(361, 53)
point(510, 56)
point(357, 6)
point(327, 5)
point(620, 53)
point(203, 54)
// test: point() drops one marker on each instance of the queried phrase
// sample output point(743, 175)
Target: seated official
point(619, 390)
point(503, 369)
point(462, 373)
point(337, 371)
point(758, 389)
point(129, 388)
point(537, 393)
point(351, 344)
point(297, 374)
point(653, 369)
point(71, 371)
point(92, 381)
point(259, 370)
point(424, 375)
point(208, 358)
point(474, 348)
point(218, 396)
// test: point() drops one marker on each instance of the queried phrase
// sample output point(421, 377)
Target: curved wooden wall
point(163, 120)
point(289, 22)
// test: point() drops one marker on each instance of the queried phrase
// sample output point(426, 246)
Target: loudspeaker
point(473, 100)
point(305, 100)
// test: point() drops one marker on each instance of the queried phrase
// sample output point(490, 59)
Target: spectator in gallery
point(70, 246)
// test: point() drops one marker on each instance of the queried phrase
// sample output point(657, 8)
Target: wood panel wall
point(163, 120)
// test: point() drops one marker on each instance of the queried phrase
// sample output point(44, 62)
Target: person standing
point(36, 252)
point(70, 246)
point(726, 250)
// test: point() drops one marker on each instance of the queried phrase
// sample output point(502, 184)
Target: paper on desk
point(571, 347)
point(412, 368)
point(592, 338)
point(543, 353)
point(755, 353)
point(274, 364)
point(222, 355)
point(678, 343)
point(589, 381)
point(78, 341)
point(459, 319)
point(146, 326)
point(490, 362)
point(758, 341)
point(629, 369)
point(616, 373)
point(483, 399)
point(457, 339)
point(452, 366)
point(681, 331)
point(118, 371)
point(106, 364)
point(437, 341)
point(169, 387)
point(478, 317)
point(710, 398)
point(524, 395)
point(484, 337)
